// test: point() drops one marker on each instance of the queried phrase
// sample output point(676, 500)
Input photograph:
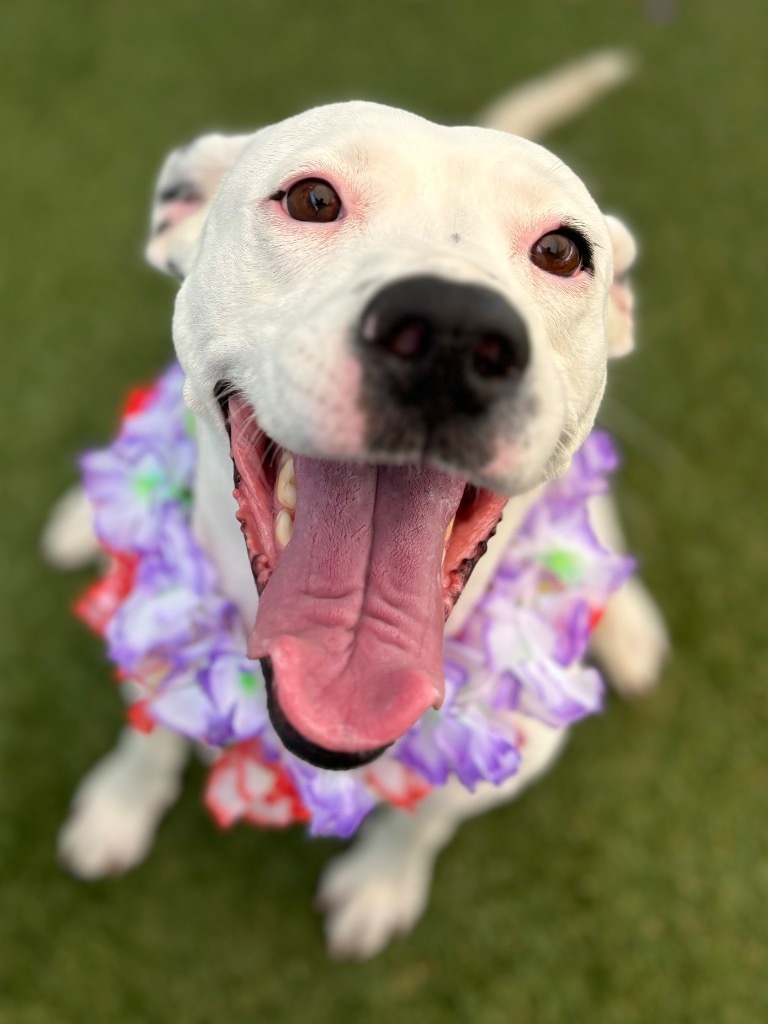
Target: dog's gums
point(351, 635)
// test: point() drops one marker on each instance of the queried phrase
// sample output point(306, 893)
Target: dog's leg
point(379, 887)
point(68, 540)
point(120, 802)
point(631, 642)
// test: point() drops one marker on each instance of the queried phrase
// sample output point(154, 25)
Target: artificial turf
point(632, 884)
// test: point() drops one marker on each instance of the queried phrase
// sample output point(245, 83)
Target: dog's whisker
point(270, 452)
point(259, 439)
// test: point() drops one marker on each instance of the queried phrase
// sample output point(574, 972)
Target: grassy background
point(631, 885)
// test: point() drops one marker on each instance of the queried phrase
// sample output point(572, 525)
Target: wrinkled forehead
point(382, 151)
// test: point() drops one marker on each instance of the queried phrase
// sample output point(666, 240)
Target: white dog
point(409, 312)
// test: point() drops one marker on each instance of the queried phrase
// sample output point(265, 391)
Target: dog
point(407, 311)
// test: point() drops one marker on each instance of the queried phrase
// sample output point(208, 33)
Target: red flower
point(139, 717)
point(392, 781)
point(245, 784)
point(595, 617)
point(102, 599)
point(138, 399)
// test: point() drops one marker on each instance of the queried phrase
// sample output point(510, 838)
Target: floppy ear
point(186, 187)
point(619, 318)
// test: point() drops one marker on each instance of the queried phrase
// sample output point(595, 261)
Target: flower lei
point(180, 644)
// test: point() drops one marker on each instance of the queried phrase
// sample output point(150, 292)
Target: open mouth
point(357, 566)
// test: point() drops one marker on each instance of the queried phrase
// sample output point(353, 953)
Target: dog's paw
point(370, 894)
point(631, 642)
point(113, 818)
point(104, 835)
point(68, 540)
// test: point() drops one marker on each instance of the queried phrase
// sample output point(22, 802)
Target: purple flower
point(176, 626)
point(337, 801)
point(183, 708)
point(464, 738)
point(235, 687)
point(149, 469)
point(555, 695)
point(219, 698)
point(587, 476)
point(178, 560)
point(129, 495)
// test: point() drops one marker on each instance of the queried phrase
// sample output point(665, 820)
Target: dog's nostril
point(495, 356)
point(409, 339)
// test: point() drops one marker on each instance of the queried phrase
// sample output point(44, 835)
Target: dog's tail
point(531, 110)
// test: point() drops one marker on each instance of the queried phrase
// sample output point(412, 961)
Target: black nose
point(442, 346)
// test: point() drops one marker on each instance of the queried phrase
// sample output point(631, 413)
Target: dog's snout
point(443, 346)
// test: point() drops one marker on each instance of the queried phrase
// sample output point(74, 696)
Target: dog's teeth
point(448, 533)
point(283, 527)
point(286, 484)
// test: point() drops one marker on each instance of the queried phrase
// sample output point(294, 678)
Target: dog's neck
point(214, 523)
point(218, 531)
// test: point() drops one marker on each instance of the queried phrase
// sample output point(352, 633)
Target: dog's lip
point(325, 717)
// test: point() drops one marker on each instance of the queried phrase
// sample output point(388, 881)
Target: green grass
point(632, 885)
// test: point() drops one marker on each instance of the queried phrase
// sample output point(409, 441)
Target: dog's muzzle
point(441, 349)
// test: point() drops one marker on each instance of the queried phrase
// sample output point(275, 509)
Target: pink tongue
point(352, 617)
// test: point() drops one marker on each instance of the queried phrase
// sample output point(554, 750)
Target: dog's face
point(400, 325)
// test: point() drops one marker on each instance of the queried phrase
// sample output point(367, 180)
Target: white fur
point(250, 310)
point(119, 804)
point(68, 540)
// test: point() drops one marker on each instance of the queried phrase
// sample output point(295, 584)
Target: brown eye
point(557, 254)
point(313, 200)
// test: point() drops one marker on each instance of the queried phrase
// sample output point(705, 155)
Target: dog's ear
point(187, 185)
point(620, 326)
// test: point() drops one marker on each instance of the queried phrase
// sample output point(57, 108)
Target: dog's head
point(400, 325)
